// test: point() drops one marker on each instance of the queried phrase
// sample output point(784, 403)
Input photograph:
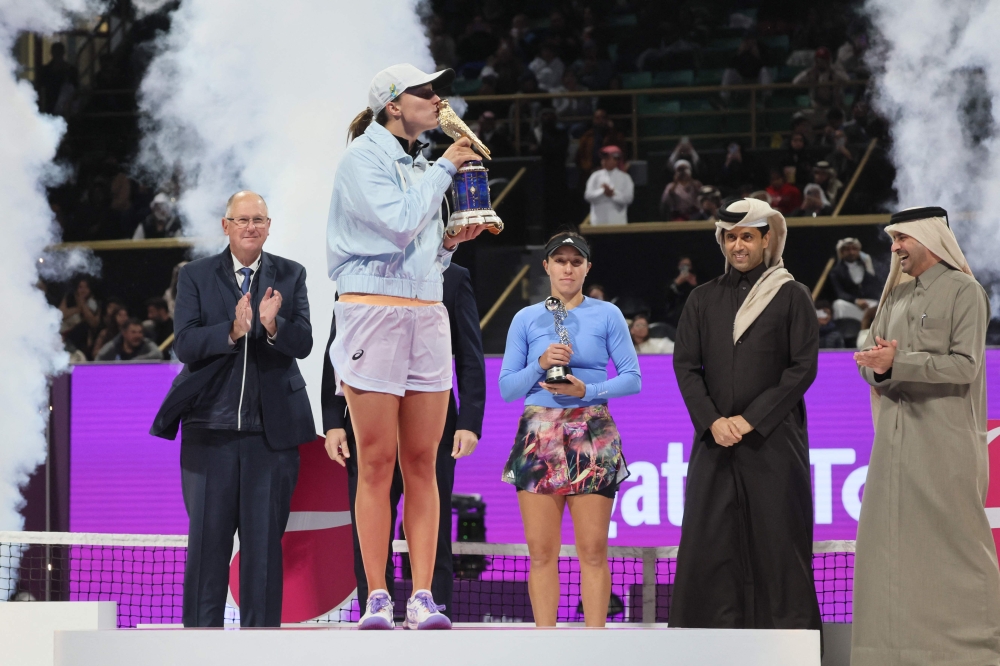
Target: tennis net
point(144, 574)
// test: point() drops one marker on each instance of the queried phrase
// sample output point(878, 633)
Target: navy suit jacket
point(466, 344)
point(203, 314)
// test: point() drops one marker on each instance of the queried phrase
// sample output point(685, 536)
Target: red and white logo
point(993, 494)
point(318, 548)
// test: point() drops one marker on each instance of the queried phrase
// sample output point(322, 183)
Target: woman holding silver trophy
point(567, 451)
point(387, 249)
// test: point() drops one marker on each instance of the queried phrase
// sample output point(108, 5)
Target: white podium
point(463, 646)
point(27, 629)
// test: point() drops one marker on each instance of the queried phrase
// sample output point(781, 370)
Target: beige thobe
point(926, 583)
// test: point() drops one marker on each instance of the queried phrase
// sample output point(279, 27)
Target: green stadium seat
point(701, 125)
point(786, 73)
point(708, 77)
point(731, 43)
point(696, 104)
point(803, 101)
point(634, 80)
point(716, 58)
point(681, 77)
point(624, 21)
point(649, 104)
point(466, 86)
point(777, 42)
point(657, 126)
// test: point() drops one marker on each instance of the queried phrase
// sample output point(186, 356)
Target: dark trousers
point(442, 582)
point(233, 481)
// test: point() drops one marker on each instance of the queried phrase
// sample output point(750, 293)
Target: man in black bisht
point(745, 353)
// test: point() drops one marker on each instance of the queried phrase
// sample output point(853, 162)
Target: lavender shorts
point(392, 348)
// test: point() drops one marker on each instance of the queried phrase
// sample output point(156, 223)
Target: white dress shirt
point(254, 266)
point(613, 209)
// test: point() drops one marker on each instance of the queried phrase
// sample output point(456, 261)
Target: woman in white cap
point(387, 250)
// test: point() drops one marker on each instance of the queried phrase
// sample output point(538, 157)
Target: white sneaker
point(378, 612)
point(423, 613)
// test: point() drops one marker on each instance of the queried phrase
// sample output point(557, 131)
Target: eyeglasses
point(242, 222)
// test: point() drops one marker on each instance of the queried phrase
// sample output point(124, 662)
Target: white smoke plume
point(31, 345)
point(258, 94)
point(938, 81)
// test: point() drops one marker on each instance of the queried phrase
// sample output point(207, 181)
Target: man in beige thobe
point(926, 583)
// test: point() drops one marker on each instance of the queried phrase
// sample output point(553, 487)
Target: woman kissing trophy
point(470, 188)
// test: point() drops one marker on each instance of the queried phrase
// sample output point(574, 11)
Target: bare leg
point(421, 424)
point(375, 417)
point(591, 516)
point(542, 517)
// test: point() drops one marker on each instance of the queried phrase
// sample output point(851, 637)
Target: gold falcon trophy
point(470, 188)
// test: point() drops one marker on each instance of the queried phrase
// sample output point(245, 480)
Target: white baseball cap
point(391, 81)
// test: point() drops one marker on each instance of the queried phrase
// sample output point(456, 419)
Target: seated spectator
point(851, 54)
point(528, 109)
point(158, 325)
point(130, 345)
point(596, 291)
point(735, 171)
point(710, 200)
point(854, 281)
point(679, 290)
point(548, 68)
point(576, 107)
point(841, 159)
point(866, 326)
point(57, 82)
point(170, 295)
point(795, 162)
point(477, 42)
point(785, 197)
point(80, 316)
point(814, 203)
point(592, 71)
point(441, 43)
point(680, 197)
point(162, 221)
point(834, 124)
point(495, 139)
point(505, 69)
point(747, 66)
point(826, 177)
point(115, 316)
point(609, 190)
point(639, 330)
point(859, 129)
point(602, 133)
point(826, 84)
point(802, 124)
point(673, 52)
point(685, 151)
point(829, 336)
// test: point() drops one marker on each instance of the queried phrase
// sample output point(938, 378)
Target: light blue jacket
point(384, 234)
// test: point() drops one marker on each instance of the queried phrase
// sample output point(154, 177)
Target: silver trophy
point(557, 373)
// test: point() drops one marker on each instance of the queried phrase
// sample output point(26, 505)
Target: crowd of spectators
point(95, 329)
point(583, 47)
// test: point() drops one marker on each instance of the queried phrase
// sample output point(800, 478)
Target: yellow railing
point(756, 92)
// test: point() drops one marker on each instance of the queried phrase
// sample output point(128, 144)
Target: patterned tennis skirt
point(566, 451)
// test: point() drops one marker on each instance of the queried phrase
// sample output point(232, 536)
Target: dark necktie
point(247, 272)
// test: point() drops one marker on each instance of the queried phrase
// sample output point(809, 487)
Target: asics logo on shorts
point(358, 354)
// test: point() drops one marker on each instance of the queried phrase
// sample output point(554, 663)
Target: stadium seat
point(682, 77)
point(466, 86)
point(649, 104)
point(634, 80)
point(777, 42)
point(786, 73)
point(730, 43)
point(708, 77)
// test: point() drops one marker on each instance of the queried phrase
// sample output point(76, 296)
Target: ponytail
point(362, 121)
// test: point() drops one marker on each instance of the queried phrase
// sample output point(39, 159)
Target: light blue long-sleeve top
point(384, 233)
point(597, 331)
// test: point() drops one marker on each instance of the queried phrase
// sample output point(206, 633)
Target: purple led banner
point(124, 480)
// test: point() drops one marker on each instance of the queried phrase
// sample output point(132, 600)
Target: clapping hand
point(269, 307)
point(608, 190)
point(244, 312)
point(879, 358)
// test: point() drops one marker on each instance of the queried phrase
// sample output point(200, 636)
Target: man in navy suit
point(241, 319)
point(462, 429)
